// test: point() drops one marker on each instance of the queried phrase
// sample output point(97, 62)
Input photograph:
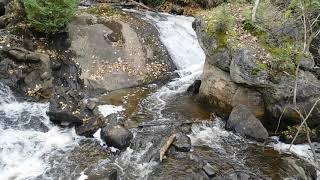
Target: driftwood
point(143, 125)
point(166, 146)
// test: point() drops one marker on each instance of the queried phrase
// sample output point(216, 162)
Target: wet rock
point(243, 122)
point(237, 176)
point(117, 136)
point(89, 127)
point(90, 103)
point(182, 143)
point(87, 2)
point(209, 170)
point(194, 88)
point(3, 4)
point(107, 174)
point(64, 119)
point(177, 9)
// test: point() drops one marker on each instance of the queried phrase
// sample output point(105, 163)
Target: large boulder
point(116, 136)
point(182, 143)
point(64, 119)
point(220, 91)
point(234, 76)
point(243, 122)
point(117, 52)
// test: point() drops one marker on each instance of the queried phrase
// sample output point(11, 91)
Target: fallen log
point(143, 125)
point(166, 146)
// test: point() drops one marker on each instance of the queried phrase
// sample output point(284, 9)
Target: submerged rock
point(194, 88)
point(243, 122)
point(64, 119)
point(182, 143)
point(107, 174)
point(116, 136)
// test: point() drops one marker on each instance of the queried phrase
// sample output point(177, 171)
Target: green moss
point(220, 25)
point(103, 10)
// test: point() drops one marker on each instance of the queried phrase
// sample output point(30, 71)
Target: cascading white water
point(27, 137)
point(181, 41)
point(177, 34)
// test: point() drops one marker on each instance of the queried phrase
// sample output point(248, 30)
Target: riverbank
point(113, 87)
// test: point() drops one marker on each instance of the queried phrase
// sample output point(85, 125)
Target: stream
point(33, 148)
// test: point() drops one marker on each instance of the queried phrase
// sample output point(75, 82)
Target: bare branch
point(254, 10)
point(303, 122)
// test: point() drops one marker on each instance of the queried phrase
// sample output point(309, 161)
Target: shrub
point(49, 15)
point(220, 24)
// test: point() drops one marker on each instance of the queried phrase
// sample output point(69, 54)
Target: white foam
point(107, 110)
point(23, 150)
point(301, 150)
point(97, 135)
point(131, 158)
point(82, 176)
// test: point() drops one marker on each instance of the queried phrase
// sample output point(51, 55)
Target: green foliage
point(220, 24)
point(49, 15)
point(286, 58)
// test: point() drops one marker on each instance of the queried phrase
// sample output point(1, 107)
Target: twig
point(279, 120)
point(310, 143)
point(303, 122)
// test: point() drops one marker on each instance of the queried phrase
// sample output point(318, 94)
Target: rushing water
point(32, 148)
point(27, 137)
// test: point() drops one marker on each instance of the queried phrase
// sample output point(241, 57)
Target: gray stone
point(64, 119)
point(91, 103)
point(182, 143)
point(116, 136)
point(113, 54)
point(244, 69)
point(307, 63)
point(107, 174)
point(45, 76)
point(177, 9)
point(209, 170)
point(243, 122)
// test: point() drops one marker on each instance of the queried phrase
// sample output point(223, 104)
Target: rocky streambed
point(70, 126)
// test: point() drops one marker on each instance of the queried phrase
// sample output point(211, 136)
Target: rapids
point(33, 148)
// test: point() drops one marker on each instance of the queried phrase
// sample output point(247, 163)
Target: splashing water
point(27, 137)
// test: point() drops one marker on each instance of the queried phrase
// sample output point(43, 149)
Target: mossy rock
point(288, 135)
